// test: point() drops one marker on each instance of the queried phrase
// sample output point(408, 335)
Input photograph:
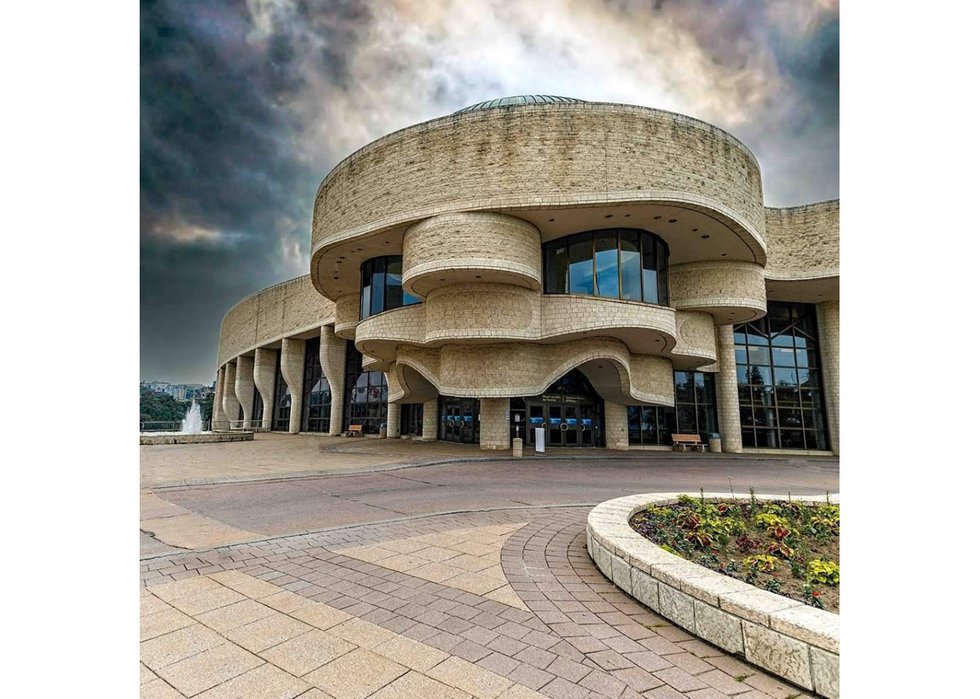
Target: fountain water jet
point(192, 422)
point(192, 432)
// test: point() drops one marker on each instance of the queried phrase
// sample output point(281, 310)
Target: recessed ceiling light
point(694, 230)
point(442, 280)
point(671, 220)
point(657, 218)
point(608, 216)
point(479, 277)
point(627, 215)
point(705, 237)
point(551, 220)
point(724, 254)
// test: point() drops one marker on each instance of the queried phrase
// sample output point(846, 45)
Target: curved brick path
point(293, 617)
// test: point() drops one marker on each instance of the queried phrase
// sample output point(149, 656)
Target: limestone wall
point(264, 318)
point(804, 241)
point(549, 154)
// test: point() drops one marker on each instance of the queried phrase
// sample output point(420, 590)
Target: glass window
point(633, 418)
point(580, 266)
point(650, 277)
point(377, 285)
point(367, 394)
point(381, 286)
point(556, 268)
point(621, 263)
point(607, 264)
point(629, 264)
point(393, 283)
point(789, 381)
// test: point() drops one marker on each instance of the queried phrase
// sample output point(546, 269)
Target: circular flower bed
point(786, 547)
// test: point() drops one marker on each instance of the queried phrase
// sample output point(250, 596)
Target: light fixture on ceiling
point(671, 220)
point(608, 216)
point(657, 218)
point(551, 220)
point(705, 236)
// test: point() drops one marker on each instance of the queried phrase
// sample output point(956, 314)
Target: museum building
point(607, 272)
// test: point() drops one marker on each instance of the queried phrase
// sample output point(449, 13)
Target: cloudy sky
point(246, 105)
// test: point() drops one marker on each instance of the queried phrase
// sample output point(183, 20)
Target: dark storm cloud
point(246, 105)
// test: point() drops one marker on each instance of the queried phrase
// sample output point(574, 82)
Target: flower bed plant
point(782, 546)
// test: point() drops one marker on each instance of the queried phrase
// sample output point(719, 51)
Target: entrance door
point(460, 420)
point(572, 429)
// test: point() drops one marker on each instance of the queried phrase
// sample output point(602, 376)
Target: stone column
point(264, 376)
point(217, 411)
point(617, 427)
point(245, 387)
point(394, 420)
point(430, 419)
point(828, 329)
point(494, 426)
point(333, 356)
point(726, 383)
point(229, 401)
point(291, 361)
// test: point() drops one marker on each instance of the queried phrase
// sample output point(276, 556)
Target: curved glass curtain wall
point(366, 402)
point(316, 391)
point(381, 286)
point(780, 395)
point(623, 263)
point(694, 412)
point(283, 400)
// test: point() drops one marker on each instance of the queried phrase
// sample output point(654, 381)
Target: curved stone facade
point(264, 318)
point(459, 208)
point(444, 250)
point(804, 241)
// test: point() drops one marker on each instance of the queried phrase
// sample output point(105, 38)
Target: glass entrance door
point(459, 420)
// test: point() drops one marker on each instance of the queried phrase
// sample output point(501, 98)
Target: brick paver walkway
point(305, 616)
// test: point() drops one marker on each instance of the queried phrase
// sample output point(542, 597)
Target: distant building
point(606, 272)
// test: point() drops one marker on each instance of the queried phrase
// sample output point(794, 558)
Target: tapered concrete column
point(617, 427)
point(394, 420)
point(494, 427)
point(726, 383)
point(828, 328)
point(291, 360)
point(333, 356)
point(430, 419)
point(264, 376)
point(245, 387)
point(229, 400)
point(217, 411)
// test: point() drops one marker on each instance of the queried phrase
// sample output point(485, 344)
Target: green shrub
point(823, 572)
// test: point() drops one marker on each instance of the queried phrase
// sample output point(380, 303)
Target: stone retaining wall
point(788, 638)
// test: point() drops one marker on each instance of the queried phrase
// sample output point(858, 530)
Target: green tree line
point(160, 407)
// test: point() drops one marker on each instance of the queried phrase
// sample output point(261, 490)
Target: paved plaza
point(390, 569)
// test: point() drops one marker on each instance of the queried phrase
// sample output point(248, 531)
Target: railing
point(168, 425)
point(238, 425)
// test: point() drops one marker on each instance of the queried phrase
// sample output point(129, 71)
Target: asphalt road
point(289, 506)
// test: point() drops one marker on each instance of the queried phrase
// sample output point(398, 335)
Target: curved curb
point(796, 642)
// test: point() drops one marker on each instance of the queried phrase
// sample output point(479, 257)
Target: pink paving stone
point(680, 680)
point(637, 679)
point(560, 688)
point(603, 683)
point(566, 669)
point(530, 677)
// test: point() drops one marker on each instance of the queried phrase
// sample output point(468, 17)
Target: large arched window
point(623, 263)
point(381, 286)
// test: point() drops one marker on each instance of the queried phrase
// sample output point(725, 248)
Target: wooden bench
point(687, 440)
point(354, 431)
